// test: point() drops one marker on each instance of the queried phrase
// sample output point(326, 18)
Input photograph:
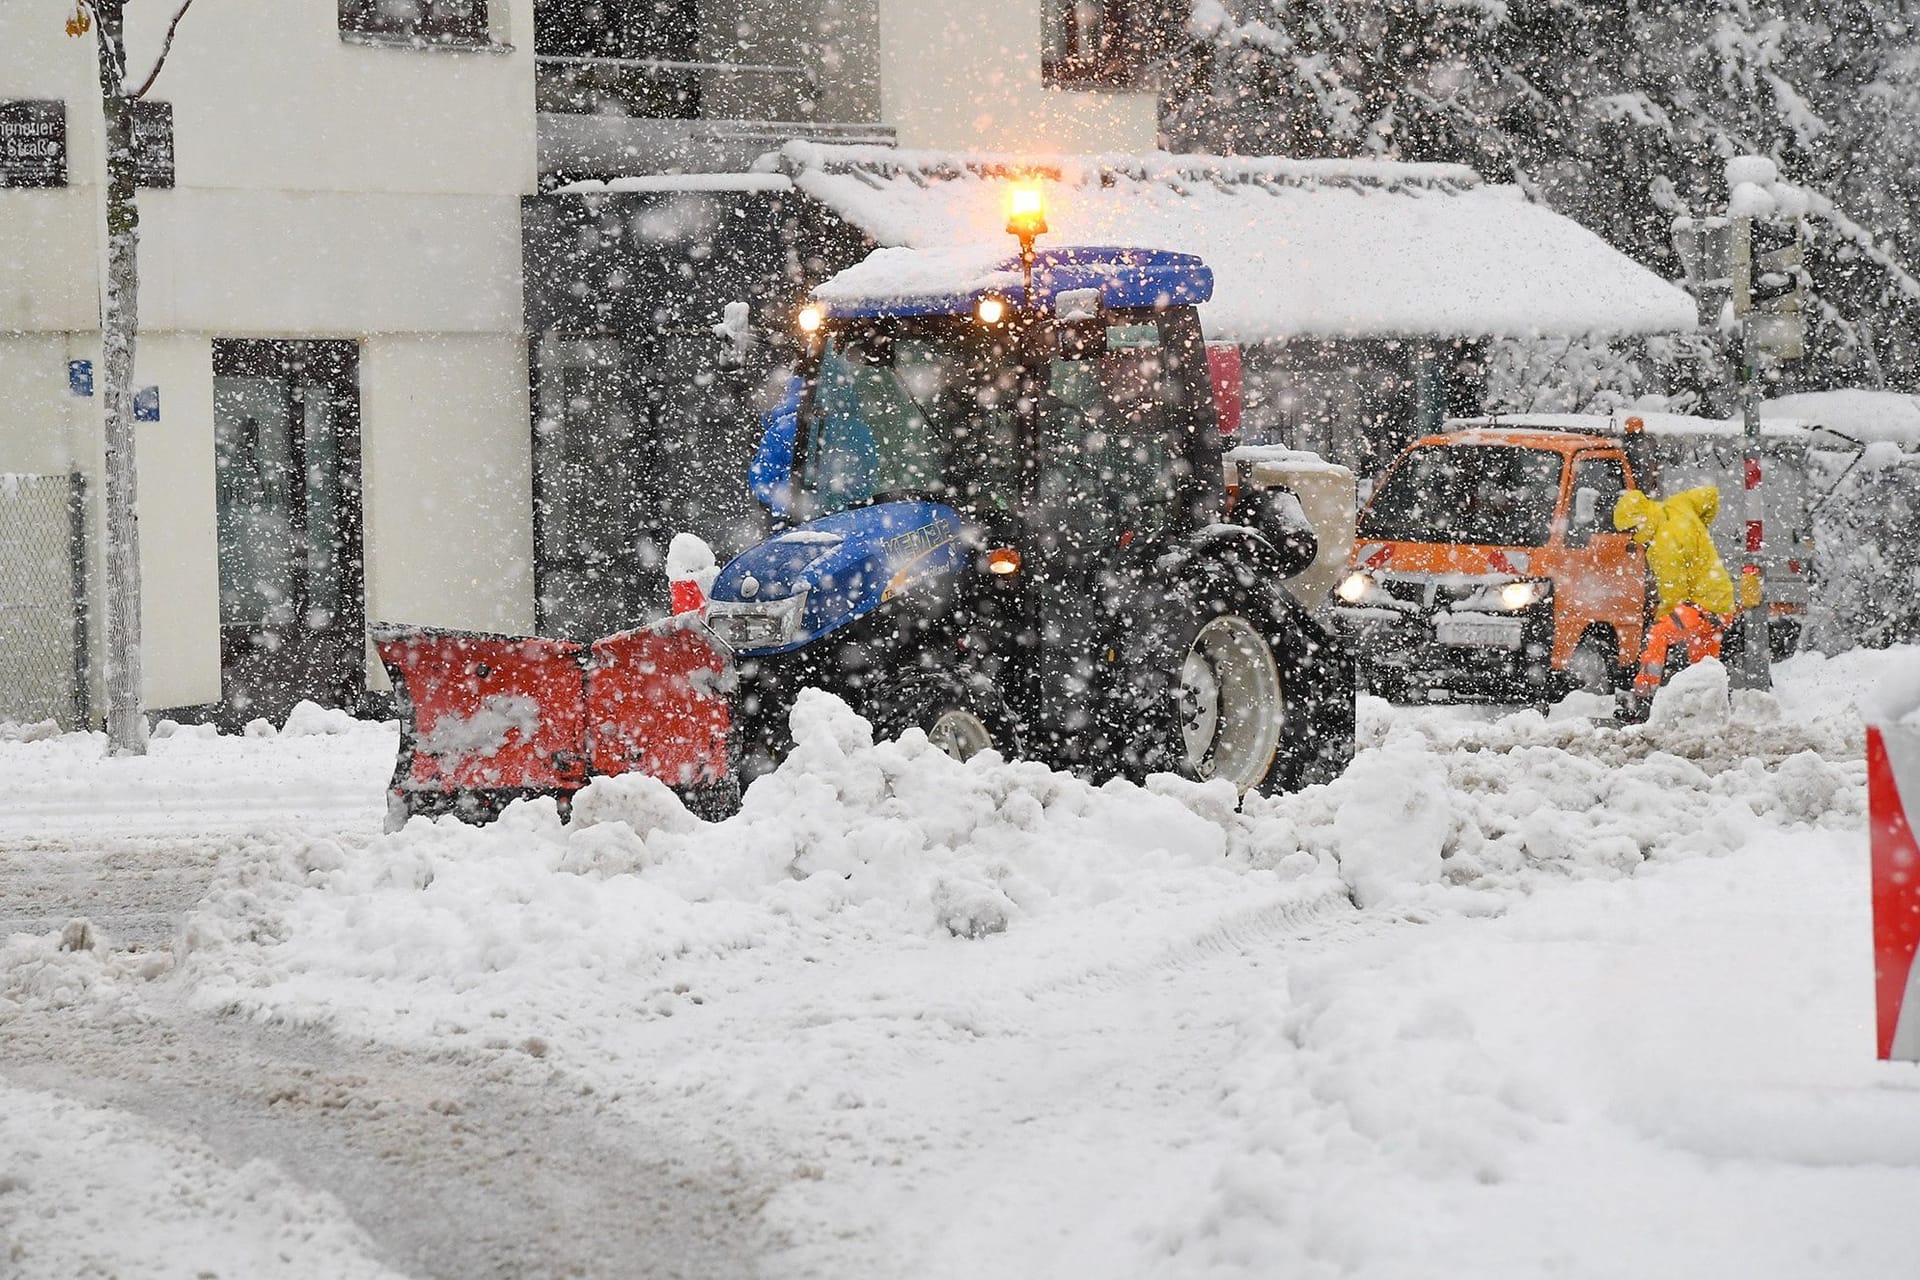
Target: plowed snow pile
point(1514, 996)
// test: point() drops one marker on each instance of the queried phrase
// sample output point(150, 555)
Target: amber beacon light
point(1026, 212)
point(1027, 220)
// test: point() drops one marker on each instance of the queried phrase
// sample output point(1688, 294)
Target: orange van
point(1486, 565)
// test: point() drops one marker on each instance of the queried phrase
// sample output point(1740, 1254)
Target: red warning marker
point(1893, 776)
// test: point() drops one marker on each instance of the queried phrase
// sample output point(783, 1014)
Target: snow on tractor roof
point(1304, 248)
point(904, 282)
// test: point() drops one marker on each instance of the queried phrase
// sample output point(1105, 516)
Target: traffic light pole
point(1755, 667)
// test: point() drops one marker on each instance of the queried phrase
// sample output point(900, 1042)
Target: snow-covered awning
point(1299, 248)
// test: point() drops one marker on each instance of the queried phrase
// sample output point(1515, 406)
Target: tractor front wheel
point(961, 715)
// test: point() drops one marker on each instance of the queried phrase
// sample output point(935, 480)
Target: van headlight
point(747, 625)
point(1515, 596)
point(1508, 597)
point(1354, 587)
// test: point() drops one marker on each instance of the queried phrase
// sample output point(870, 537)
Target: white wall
point(967, 77)
point(449, 482)
point(179, 537)
point(325, 188)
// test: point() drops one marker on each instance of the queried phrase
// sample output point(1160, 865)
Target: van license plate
point(1484, 632)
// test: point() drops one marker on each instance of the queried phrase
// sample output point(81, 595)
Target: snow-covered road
point(1515, 997)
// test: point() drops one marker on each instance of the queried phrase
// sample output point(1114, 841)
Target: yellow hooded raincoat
point(1680, 552)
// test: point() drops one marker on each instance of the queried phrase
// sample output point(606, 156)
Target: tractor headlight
point(1354, 587)
point(747, 625)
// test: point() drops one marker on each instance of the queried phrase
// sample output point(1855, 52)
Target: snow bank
point(197, 782)
point(1668, 1075)
point(849, 839)
point(1591, 981)
point(895, 839)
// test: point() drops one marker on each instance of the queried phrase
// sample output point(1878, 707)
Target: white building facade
point(333, 356)
point(330, 326)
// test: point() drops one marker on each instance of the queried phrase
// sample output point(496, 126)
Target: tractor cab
point(1002, 448)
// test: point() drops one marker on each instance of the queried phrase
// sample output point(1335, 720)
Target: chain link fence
point(43, 622)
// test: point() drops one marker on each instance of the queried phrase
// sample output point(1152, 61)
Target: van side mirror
point(1586, 511)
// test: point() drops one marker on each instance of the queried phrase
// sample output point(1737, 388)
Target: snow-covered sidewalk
point(1514, 997)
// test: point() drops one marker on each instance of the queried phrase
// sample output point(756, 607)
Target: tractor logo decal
point(907, 551)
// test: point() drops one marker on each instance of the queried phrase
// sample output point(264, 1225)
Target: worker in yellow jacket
point(1694, 592)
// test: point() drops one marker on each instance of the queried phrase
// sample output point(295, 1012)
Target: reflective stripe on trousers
point(1689, 625)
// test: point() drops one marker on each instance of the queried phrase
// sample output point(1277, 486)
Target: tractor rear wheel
point(1231, 705)
point(1223, 677)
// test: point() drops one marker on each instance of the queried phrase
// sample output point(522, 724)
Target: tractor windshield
point(914, 415)
point(1489, 495)
point(934, 411)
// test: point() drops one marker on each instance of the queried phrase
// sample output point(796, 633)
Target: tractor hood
point(809, 581)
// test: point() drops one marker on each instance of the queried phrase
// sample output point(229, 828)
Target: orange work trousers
point(1688, 625)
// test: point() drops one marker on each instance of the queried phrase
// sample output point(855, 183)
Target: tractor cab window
point(1487, 495)
point(902, 416)
point(1111, 458)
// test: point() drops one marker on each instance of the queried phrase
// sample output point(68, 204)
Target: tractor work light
point(990, 309)
point(1354, 588)
point(1026, 211)
point(811, 317)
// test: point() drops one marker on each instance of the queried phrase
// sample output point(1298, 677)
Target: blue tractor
point(1002, 514)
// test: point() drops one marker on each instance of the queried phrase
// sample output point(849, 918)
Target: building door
point(595, 489)
point(286, 423)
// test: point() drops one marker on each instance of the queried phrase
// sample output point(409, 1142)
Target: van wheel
point(1592, 666)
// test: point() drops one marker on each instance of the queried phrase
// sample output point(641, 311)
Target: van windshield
point(1489, 495)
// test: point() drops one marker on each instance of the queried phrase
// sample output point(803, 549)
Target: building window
point(417, 21)
point(1094, 42)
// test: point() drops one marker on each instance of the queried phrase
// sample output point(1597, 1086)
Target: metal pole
point(1755, 669)
point(82, 618)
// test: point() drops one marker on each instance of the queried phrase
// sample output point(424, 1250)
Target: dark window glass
point(1111, 459)
point(1488, 495)
point(912, 417)
point(1094, 42)
point(932, 414)
point(1608, 479)
point(429, 21)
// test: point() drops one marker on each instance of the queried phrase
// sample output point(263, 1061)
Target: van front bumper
point(1447, 655)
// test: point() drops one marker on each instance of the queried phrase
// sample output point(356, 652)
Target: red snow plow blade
point(487, 719)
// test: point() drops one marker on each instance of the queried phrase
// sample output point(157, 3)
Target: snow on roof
point(1871, 417)
point(680, 182)
point(1658, 424)
point(1301, 248)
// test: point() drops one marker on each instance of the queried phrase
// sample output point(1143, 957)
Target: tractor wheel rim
point(961, 734)
point(1231, 703)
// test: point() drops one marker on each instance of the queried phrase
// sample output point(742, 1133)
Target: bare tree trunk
point(126, 720)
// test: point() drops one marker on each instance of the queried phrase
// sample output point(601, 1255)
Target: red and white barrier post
point(1893, 793)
